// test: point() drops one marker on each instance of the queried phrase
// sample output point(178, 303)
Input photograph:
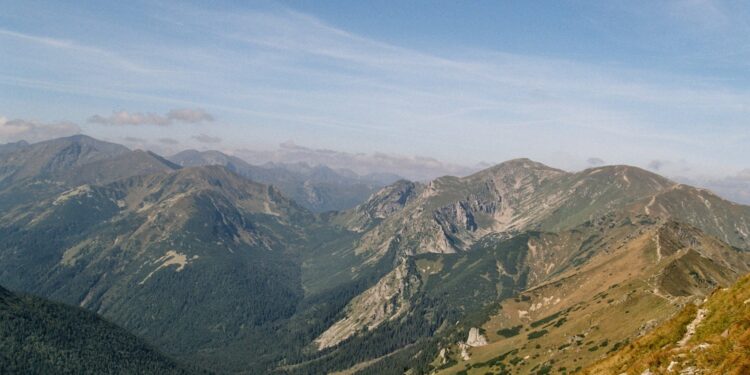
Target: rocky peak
point(391, 199)
point(519, 168)
point(384, 203)
point(58, 155)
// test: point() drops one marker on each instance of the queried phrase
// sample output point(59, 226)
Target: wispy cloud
point(79, 49)
point(656, 165)
point(204, 138)
point(135, 140)
point(278, 74)
point(168, 141)
point(189, 115)
point(185, 115)
point(706, 14)
point(595, 162)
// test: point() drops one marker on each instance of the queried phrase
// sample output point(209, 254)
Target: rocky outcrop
point(476, 338)
point(388, 299)
point(464, 351)
point(443, 356)
point(449, 214)
point(383, 204)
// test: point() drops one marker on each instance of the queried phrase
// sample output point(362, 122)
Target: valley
point(341, 187)
point(518, 268)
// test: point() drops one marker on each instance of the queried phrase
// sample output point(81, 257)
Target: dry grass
point(720, 345)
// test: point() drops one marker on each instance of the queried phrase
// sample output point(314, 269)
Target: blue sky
point(656, 84)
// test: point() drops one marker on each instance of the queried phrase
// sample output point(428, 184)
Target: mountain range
point(317, 188)
point(293, 269)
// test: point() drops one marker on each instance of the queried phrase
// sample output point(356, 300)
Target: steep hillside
point(13, 146)
point(316, 188)
point(145, 250)
point(43, 337)
point(611, 289)
point(561, 241)
point(381, 205)
point(709, 336)
point(130, 164)
point(451, 213)
point(520, 267)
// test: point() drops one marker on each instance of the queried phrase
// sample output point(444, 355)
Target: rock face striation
point(386, 300)
point(383, 204)
point(451, 214)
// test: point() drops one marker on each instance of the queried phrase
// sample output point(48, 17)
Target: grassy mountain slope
point(33, 172)
point(574, 316)
point(47, 158)
point(560, 239)
point(520, 267)
point(130, 164)
point(43, 337)
point(710, 337)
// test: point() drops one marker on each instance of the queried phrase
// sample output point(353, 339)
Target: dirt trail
point(699, 316)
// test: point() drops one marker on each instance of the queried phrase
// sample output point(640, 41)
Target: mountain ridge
point(215, 268)
point(318, 188)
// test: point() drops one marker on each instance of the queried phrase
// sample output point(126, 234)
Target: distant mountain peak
point(318, 188)
point(47, 158)
point(519, 168)
point(382, 204)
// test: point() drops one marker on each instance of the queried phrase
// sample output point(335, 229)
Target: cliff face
point(450, 214)
point(476, 338)
point(388, 299)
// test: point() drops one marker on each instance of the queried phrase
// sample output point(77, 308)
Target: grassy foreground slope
point(710, 338)
point(640, 275)
point(42, 337)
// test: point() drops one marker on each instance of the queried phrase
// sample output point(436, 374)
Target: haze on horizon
point(657, 85)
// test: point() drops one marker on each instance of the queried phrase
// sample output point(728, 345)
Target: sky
point(662, 85)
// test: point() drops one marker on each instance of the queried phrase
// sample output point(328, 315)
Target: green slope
point(43, 337)
point(190, 260)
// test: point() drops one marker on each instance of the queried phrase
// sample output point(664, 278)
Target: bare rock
point(476, 338)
